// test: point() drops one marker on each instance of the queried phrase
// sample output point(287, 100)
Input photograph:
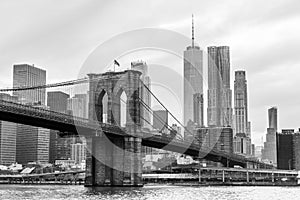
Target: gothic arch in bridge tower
point(120, 108)
point(101, 106)
point(114, 84)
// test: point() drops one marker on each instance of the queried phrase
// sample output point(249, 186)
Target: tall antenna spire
point(193, 31)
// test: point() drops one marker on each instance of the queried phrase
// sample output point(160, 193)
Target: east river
point(45, 192)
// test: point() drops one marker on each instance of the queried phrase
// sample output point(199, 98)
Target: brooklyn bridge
point(114, 155)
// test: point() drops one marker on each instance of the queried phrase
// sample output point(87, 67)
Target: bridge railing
point(43, 113)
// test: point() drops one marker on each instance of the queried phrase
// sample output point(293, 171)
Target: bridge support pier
point(113, 162)
point(247, 174)
point(223, 176)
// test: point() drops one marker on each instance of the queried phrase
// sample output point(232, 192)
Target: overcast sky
point(58, 35)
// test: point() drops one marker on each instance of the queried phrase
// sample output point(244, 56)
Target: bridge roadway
point(69, 125)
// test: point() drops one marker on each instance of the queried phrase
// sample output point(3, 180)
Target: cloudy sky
point(59, 35)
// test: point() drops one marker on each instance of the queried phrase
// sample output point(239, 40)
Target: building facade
point(272, 114)
point(285, 150)
point(8, 132)
point(78, 152)
point(32, 144)
point(198, 109)
point(78, 105)
point(242, 144)
point(241, 102)
point(269, 153)
point(288, 150)
point(242, 135)
point(219, 111)
point(160, 120)
point(26, 76)
point(296, 150)
point(219, 138)
point(57, 101)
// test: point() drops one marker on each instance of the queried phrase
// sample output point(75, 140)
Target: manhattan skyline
point(271, 63)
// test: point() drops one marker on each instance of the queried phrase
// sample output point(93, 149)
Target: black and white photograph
point(157, 99)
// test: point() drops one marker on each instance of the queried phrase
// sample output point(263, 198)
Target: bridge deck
point(70, 125)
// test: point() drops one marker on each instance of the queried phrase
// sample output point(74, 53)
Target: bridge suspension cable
point(167, 126)
point(188, 131)
point(66, 83)
point(53, 85)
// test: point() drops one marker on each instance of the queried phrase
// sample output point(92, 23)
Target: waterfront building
point(269, 152)
point(296, 150)
point(219, 111)
point(8, 132)
point(78, 152)
point(285, 151)
point(288, 150)
point(32, 144)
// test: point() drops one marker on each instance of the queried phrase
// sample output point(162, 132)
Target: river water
point(45, 192)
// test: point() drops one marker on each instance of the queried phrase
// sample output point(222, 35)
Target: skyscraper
point(193, 83)
point(59, 148)
point(198, 109)
point(241, 102)
point(285, 149)
point(57, 101)
point(78, 105)
point(8, 132)
point(219, 111)
point(242, 137)
point(27, 75)
point(272, 113)
point(269, 152)
point(215, 138)
point(78, 152)
point(32, 143)
point(160, 120)
point(146, 97)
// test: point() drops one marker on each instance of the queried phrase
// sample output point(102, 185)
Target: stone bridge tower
point(115, 159)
